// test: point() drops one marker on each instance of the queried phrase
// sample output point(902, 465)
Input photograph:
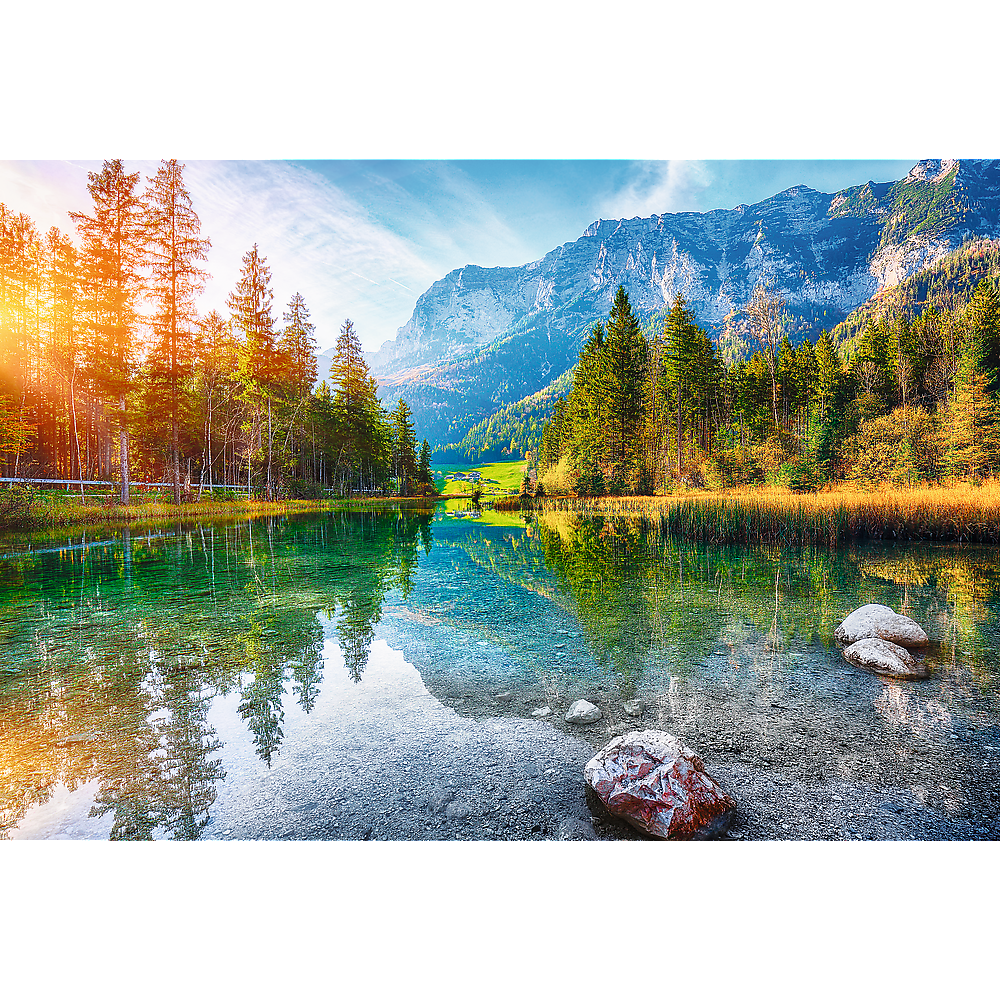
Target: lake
point(404, 675)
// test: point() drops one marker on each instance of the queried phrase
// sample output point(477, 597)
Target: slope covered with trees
point(109, 371)
point(913, 399)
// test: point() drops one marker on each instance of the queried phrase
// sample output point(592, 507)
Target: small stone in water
point(505, 696)
point(633, 708)
point(540, 713)
point(582, 711)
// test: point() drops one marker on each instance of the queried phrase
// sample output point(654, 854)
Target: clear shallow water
point(376, 675)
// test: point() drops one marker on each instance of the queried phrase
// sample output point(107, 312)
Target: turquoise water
point(261, 678)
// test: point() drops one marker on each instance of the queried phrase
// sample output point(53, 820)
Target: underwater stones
point(655, 783)
point(886, 658)
point(876, 621)
point(540, 713)
point(633, 708)
point(876, 639)
point(581, 712)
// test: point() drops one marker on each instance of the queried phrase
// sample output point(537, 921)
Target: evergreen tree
point(361, 435)
point(873, 369)
point(588, 414)
point(114, 238)
point(829, 384)
point(621, 377)
point(973, 426)
point(404, 449)
point(173, 248)
point(298, 345)
point(424, 467)
point(262, 363)
point(680, 370)
point(983, 317)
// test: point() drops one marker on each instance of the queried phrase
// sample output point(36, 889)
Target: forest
point(109, 372)
point(903, 392)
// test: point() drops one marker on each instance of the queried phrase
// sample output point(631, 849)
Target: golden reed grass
point(771, 516)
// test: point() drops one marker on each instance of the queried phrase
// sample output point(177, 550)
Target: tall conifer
point(361, 430)
point(114, 238)
point(173, 248)
point(621, 378)
point(262, 364)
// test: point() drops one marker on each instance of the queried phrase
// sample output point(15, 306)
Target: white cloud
point(657, 187)
point(316, 241)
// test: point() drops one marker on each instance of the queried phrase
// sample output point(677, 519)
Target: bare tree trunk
point(123, 443)
point(268, 492)
point(76, 436)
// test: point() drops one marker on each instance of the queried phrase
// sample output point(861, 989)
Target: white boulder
point(876, 621)
point(886, 658)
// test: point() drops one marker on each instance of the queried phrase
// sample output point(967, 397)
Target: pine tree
point(621, 378)
point(973, 421)
point(361, 430)
point(983, 317)
point(114, 238)
point(262, 364)
point(404, 447)
point(174, 246)
point(424, 467)
point(678, 371)
point(298, 343)
point(587, 410)
point(299, 346)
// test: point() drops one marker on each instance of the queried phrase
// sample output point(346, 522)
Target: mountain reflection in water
point(115, 647)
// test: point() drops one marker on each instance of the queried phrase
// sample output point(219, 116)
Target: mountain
point(481, 338)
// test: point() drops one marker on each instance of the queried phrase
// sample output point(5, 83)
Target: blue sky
point(364, 238)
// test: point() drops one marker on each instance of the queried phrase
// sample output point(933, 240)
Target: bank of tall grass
point(834, 519)
point(63, 511)
point(23, 508)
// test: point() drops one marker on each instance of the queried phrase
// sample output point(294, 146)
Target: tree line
point(109, 371)
point(913, 396)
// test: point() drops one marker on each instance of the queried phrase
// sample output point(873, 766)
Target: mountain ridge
point(482, 338)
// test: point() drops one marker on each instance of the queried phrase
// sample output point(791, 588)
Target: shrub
point(728, 469)
point(16, 501)
point(302, 489)
point(902, 447)
point(558, 479)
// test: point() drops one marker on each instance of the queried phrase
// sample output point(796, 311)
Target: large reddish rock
point(651, 780)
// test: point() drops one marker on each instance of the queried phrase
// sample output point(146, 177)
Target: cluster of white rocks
point(878, 639)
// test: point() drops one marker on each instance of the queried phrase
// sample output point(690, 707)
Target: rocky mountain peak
point(930, 171)
point(482, 337)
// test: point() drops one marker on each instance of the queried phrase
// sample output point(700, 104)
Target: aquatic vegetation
point(833, 519)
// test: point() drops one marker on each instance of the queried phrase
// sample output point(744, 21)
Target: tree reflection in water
point(134, 636)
